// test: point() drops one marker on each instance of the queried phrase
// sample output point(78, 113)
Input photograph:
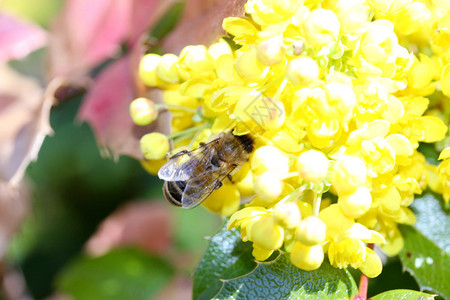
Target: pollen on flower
point(334, 94)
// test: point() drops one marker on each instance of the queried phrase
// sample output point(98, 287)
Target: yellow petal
point(400, 144)
point(435, 129)
point(445, 153)
point(445, 80)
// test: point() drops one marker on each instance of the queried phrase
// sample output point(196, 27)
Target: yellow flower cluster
point(334, 93)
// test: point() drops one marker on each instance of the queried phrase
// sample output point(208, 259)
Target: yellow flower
point(420, 76)
point(249, 67)
point(268, 185)
point(302, 70)
point(258, 226)
point(372, 265)
point(269, 158)
point(335, 100)
point(287, 215)
point(349, 247)
point(154, 145)
point(143, 111)
point(348, 173)
point(195, 59)
point(267, 234)
point(357, 203)
point(312, 166)
point(307, 257)
point(322, 28)
point(271, 51)
point(224, 201)
point(167, 69)
point(352, 14)
point(311, 231)
point(147, 70)
point(335, 221)
point(444, 173)
point(379, 156)
point(347, 252)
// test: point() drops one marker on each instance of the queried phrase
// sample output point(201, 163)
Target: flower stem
point(187, 131)
point(171, 106)
point(363, 284)
point(316, 203)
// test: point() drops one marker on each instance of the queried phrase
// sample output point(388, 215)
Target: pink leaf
point(202, 23)
point(142, 224)
point(105, 106)
point(24, 122)
point(13, 208)
point(87, 32)
point(145, 14)
point(106, 109)
point(18, 39)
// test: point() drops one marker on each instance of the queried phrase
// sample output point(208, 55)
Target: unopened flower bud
point(311, 231)
point(322, 27)
point(143, 111)
point(248, 65)
point(271, 51)
point(147, 69)
point(167, 69)
point(302, 70)
point(348, 173)
point(269, 158)
point(357, 203)
point(154, 145)
point(305, 257)
point(266, 234)
point(268, 185)
point(312, 166)
point(287, 215)
point(196, 58)
point(245, 186)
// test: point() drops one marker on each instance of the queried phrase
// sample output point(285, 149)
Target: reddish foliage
point(18, 39)
point(143, 224)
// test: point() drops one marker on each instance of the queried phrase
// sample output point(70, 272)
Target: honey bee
point(191, 176)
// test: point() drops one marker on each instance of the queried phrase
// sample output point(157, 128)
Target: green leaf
point(121, 274)
point(283, 280)
point(228, 271)
point(402, 295)
point(432, 220)
point(425, 254)
point(168, 22)
point(226, 257)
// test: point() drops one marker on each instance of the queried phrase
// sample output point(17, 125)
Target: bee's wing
point(199, 188)
point(178, 168)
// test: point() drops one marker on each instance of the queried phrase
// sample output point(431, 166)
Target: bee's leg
point(218, 184)
point(229, 175)
point(230, 179)
point(181, 153)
